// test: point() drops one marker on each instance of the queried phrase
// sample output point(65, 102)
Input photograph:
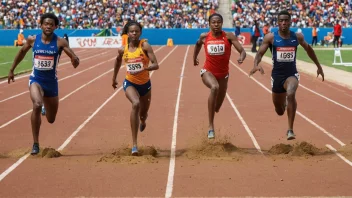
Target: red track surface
point(99, 130)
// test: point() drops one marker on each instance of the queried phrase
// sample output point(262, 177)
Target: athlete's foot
point(43, 110)
point(35, 149)
point(142, 126)
point(290, 135)
point(134, 151)
point(211, 134)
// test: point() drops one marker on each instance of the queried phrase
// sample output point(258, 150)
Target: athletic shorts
point(51, 88)
point(278, 81)
point(141, 89)
point(202, 71)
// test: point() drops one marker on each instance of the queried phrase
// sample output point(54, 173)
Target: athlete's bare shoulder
point(120, 51)
point(269, 38)
point(202, 38)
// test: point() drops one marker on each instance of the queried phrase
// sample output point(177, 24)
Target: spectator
point(101, 14)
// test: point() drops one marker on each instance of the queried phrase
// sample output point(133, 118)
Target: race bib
point(43, 62)
point(216, 49)
point(285, 54)
point(135, 67)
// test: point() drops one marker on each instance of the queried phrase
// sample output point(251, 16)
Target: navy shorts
point(278, 81)
point(51, 89)
point(141, 89)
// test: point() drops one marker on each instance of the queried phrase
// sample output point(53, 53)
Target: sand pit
point(18, 153)
point(147, 154)
point(302, 149)
point(219, 148)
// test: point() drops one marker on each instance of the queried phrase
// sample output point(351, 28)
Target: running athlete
point(137, 86)
point(284, 76)
point(215, 73)
point(60, 51)
point(43, 82)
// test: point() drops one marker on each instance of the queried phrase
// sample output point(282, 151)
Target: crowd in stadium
point(305, 13)
point(97, 14)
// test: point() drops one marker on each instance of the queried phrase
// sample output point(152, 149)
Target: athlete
point(284, 76)
point(60, 51)
point(43, 81)
point(137, 86)
point(215, 73)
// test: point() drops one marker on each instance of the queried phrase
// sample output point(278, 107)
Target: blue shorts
point(278, 81)
point(51, 89)
point(141, 89)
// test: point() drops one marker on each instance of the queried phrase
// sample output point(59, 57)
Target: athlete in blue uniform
point(284, 77)
point(43, 82)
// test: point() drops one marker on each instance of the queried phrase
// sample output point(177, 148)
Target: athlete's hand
point(320, 71)
point(256, 68)
point(239, 60)
point(10, 77)
point(114, 84)
point(75, 61)
point(196, 62)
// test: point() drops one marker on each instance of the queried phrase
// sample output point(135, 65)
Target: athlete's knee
point(214, 88)
point(51, 120)
point(136, 105)
point(280, 111)
point(37, 105)
point(291, 95)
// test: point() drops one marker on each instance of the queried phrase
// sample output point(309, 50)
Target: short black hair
point(50, 16)
point(284, 12)
point(131, 22)
point(215, 14)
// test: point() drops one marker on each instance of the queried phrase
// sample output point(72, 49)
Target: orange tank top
point(135, 63)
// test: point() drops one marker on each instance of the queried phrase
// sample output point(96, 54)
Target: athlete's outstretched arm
point(310, 53)
point(197, 48)
point(148, 48)
point(19, 57)
point(66, 47)
point(262, 50)
point(117, 65)
point(238, 47)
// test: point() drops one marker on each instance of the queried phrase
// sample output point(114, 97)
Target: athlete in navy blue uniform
point(284, 76)
point(43, 82)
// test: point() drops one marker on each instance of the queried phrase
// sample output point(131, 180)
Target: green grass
point(325, 57)
point(7, 55)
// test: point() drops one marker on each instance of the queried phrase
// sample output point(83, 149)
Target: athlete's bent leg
point(279, 100)
point(143, 114)
point(222, 92)
point(36, 93)
point(133, 97)
point(210, 81)
point(51, 105)
point(291, 85)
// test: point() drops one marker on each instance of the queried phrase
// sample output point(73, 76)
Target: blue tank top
point(45, 59)
point(284, 54)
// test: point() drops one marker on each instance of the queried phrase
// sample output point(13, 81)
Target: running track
point(93, 120)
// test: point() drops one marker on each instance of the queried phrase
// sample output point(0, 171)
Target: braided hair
point(130, 23)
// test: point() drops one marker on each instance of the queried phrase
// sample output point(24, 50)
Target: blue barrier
point(160, 36)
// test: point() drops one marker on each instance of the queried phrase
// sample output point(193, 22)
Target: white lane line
point(18, 117)
point(16, 164)
point(339, 155)
point(299, 113)
point(170, 178)
point(244, 125)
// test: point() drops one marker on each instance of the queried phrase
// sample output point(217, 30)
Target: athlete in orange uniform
point(215, 73)
point(136, 55)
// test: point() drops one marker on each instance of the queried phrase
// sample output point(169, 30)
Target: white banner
point(96, 42)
